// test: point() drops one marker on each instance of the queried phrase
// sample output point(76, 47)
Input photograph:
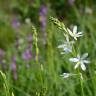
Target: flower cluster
point(67, 46)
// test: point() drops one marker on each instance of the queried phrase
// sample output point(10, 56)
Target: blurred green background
point(17, 50)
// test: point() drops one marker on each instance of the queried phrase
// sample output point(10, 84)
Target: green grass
point(43, 78)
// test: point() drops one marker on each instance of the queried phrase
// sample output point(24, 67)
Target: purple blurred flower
point(43, 10)
point(13, 65)
point(2, 60)
point(43, 21)
point(3, 64)
point(14, 59)
point(71, 2)
point(14, 68)
point(27, 55)
point(2, 53)
point(17, 44)
point(43, 14)
point(15, 23)
point(30, 47)
point(15, 75)
point(29, 38)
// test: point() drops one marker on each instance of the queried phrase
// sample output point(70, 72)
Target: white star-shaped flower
point(80, 61)
point(66, 46)
point(74, 34)
point(66, 75)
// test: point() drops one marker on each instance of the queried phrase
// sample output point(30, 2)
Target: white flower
point(27, 20)
point(67, 46)
point(74, 34)
point(66, 75)
point(88, 10)
point(80, 61)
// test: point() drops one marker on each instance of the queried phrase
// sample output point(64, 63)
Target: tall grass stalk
point(35, 43)
point(6, 84)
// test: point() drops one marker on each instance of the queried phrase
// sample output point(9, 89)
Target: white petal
point(79, 33)
point(62, 53)
point(86, 61)
point(83, 67)
point(61, 46)
point(76, 66)
point(67, 51)
point(65, 75)
point(74, 59)
point(75, 37)
point(75, 29)
point(84, 56)
point(67, 37)
point(70, 32)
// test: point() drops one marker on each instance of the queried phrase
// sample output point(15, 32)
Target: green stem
point(74, 51)
point(82, 90)
point(81, 82)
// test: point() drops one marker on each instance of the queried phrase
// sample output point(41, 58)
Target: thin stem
point(82, 90)
point(74, 51)
point(81, 82)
